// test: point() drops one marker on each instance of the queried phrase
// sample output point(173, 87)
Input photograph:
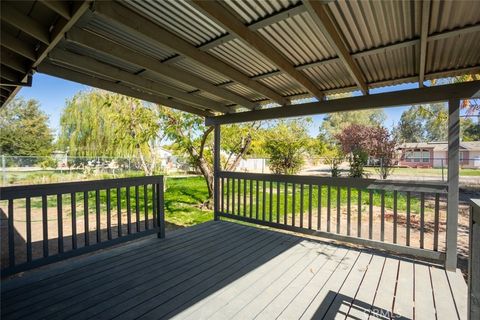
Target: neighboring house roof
point(440, 146)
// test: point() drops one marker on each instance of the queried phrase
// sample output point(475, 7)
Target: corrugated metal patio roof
point(187, 55)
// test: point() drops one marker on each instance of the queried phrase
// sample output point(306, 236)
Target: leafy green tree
point(192, 139)
point(423, 123)
point(334, 123)
point(285, 145)
point(24, 129)
point(410, 127)
point(470, 130)
point(100, 123)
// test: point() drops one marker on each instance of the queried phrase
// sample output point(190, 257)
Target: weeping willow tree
point(100, 123)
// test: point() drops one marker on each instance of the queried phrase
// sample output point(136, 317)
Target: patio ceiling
point(213, 58)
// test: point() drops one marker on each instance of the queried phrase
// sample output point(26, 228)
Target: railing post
point(216, 170)
point(453, 182)
point(160, 209)
point(474, 262)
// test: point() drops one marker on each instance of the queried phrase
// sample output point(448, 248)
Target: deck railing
point(474, 262)
point(50, 222)
point(404, 217)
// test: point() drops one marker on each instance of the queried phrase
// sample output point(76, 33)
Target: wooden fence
point(404, 217)
point(75, 218)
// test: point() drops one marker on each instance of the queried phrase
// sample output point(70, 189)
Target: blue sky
point(53, 92)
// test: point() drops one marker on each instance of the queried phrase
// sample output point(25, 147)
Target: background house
point(434, 154)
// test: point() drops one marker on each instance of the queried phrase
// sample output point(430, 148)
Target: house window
point(408, 156)
point(416, 156)
point(425, 156)
point(461, 156)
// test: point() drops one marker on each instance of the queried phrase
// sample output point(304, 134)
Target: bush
point(48, 163)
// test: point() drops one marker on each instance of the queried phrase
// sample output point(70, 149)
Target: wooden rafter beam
point(319, 14)
point(10, 74)
point(12, 43)
point(13, 61)
point(26, 24)
point(142, 27)
point(464, 90)
point(92, 66)
point(109, 47)
point(60, 7)
point(89, 80)
point(423, 40)
point(223, 17)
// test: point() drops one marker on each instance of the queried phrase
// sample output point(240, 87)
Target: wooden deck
point(223, 270)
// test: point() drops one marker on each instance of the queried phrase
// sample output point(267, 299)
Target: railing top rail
point(361, 183)
point(24, 191)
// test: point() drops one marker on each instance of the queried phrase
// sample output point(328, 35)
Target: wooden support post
point(160, 209)
point(216, 170)
point(453, 180)
point(474, 262)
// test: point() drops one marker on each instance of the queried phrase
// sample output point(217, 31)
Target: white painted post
point(216, 170)
point(453, 182)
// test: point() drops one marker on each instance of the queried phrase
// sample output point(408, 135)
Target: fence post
point(160, 209)
point(453, 183)
point(216, 170)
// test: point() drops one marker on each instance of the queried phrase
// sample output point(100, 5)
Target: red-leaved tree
point(360, 142)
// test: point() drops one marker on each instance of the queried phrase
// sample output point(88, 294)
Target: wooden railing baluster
point(301, 205)
point(60, 223)
point(257, 201)
point(408, 219)
point(349, 194)
point(382, 216)
point(285, 205)
point(137, 209)
point(44, 225)
point(370, 214)
point(270, 203)
point(239, 194)
point(86, 219)
point(109, 214)
point(145, 206)
point(73, 203)
point(436, 222)
point(11, 235)
point(359, 213)
point(97, 215)
point(233, 196)
point(278, 202)
point(129, 209)
point(422, 220)
point(293, 204)
point(329, 200)
point(244, 197)
point(228, 195)
point(310, 191)
point(251, 198)
point(338, 209)
point(119, 213)
point(264, 196)
point(395, 216)
point(319, 208)
point(28, 213)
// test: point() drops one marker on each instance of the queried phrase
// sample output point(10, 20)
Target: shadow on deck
point(223, 270)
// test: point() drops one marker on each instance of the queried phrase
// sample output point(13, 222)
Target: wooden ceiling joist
point(24, 23)
point(18, 46)
point(91, 65)
point(223, 17)
point(59, 6)
point(109, 47)
point(142, 27)
point(318, 12)
point(57, 71)
point(423, 40)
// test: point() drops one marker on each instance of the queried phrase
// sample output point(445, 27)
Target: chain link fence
point(60, 167)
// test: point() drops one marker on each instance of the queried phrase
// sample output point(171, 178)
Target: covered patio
point(242, 61)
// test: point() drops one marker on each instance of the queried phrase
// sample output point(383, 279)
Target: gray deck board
point(223, 270)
